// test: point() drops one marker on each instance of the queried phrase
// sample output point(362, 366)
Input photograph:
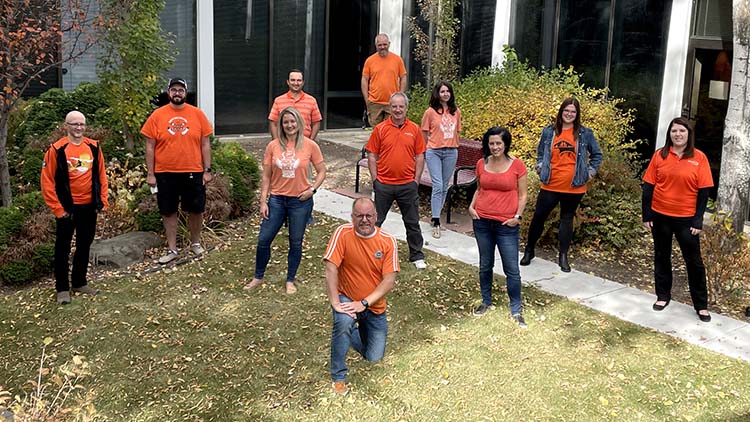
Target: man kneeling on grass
point(361, 266)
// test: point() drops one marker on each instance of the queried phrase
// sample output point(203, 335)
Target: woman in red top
point(496, 210)
point(675, 194)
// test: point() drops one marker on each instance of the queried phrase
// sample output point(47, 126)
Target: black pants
point(545, 203)
point(690, 246)
point(83, 222)
point(407, 198)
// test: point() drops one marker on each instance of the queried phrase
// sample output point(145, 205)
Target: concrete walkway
point(723, 334)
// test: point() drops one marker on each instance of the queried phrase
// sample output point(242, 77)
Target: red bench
point(469, 152)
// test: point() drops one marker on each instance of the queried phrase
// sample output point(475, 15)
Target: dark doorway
point(352, 26)
point(708, 102)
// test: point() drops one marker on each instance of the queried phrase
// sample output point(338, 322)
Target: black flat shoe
point(660, 307)
point(563, 261)
point(528, 255)
point(704, 318)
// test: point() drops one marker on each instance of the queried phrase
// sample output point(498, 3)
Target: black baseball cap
point(175, 81)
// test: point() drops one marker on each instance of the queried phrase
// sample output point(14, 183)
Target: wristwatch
point(517, 217)
point(207, 170)
point(365, 303)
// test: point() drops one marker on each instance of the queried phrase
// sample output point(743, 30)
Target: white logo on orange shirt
point(693, 162)
point(378, 254)
point(288, 163)
point(176, 125)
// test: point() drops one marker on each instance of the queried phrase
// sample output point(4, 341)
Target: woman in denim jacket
point(568, 156)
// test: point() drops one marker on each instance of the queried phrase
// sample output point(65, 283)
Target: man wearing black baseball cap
point(178, 158)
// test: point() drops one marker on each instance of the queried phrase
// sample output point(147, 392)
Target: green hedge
point(243, 172)
point(525, 100)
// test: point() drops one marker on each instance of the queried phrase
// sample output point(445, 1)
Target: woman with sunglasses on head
point(675, 195)
point(568, 156)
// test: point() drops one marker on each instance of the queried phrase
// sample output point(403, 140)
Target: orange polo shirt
point(384, 73)
point(305, 104)
point(362, 262)
point(676, 182)
point(397, 148)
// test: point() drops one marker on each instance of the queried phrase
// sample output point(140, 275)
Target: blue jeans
point(366, 335)
point(489, 234)
point(441, 162)
point(279, 208)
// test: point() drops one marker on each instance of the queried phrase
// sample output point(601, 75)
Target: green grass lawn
point(192, 345)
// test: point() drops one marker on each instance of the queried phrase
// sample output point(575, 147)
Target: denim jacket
point(588, 156)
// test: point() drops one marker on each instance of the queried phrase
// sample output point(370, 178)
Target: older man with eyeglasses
point(361, 267)
point(178, 158)
point(74, 186)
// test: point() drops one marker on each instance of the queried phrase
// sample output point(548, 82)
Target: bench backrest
point(469, 152)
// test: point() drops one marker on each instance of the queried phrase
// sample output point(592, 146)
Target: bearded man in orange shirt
point(383, 74)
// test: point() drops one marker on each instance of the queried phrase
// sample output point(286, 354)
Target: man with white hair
point(383, 74)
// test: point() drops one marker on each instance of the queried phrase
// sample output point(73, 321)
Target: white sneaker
point(169, 257)
point(197, 249)
point(420, 264)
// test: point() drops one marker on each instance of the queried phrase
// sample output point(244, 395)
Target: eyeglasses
point(177, 90)
point(364, 216)
point(76, 124)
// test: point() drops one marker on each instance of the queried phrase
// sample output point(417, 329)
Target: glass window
point(713, 19)
point(178, 19)
point(533, 31)
point(636, 74)
point(477, 30)
point(241, 65)
point(583, 38)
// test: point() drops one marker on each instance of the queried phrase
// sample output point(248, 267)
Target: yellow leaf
point(47, 341)
point(603, 401)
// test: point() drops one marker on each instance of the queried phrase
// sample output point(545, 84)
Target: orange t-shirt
point(305, 104)
point(178, 134)
point(442, 127)
point(497, 198)
point(563, 164)
point(289, 167)
point(396, 148)
point(676, 182)
point(79, 166)
point(384, 73)
point(362, 262)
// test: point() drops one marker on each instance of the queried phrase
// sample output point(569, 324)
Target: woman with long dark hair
point(440, 125)
point(568, 156)
point(496, 210)
point(285, 179)
point(675, 195)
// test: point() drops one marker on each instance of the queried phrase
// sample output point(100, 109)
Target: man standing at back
point(303, 102)
point(383, 74)
point(178, 158)
point(395, 153)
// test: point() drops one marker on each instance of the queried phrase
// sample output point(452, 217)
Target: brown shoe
point(290, 288)
point(340, 388)
point(63, 298)
point(86, 290)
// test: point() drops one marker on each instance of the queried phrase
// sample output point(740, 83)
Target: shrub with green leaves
point(11, 222)
point(29, 203)
point(525, 100)
point(243, 172)
point(43, 258)
point(16, 273)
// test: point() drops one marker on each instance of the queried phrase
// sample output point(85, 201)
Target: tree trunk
point(128, 135)
point(734, 180)
point(4, 171)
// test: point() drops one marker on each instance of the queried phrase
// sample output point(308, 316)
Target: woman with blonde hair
point(286, 193)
